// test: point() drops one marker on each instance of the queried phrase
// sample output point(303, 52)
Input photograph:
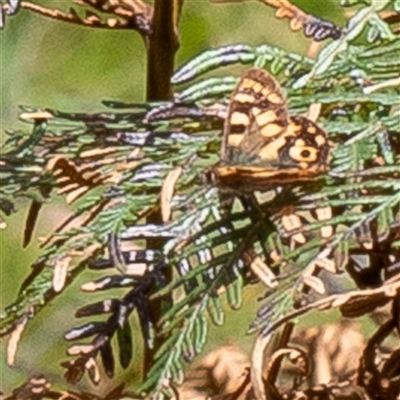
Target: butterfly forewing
point(262, 146)
point(257, 113)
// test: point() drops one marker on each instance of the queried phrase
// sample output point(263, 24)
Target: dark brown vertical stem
point(163, 44)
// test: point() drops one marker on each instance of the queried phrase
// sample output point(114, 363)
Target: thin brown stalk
point(133, 14)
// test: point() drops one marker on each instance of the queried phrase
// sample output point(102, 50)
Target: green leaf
point(212, 59)
point(382, 138)
point(384, 219)
point(354, 28)
point(234, 293)
point(342, 255)
point(213, 87)
point(125, 344)
point(380, 29)
point(200, 333)
point(214, 308)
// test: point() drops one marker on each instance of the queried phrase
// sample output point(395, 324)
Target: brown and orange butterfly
point(263, 146)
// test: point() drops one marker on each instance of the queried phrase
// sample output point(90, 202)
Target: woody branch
point(127, 14)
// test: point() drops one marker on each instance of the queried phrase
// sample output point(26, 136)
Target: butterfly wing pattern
point(262, 145)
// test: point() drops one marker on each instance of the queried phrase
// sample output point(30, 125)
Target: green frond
point(112, 168)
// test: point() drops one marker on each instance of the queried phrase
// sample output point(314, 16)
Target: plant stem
point(163, 44)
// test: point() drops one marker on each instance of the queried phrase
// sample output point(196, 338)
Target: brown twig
point(274, 363)
point(369, 374)
point(133, 14)
point(72, 17)
point(138, 13)
point(391, 17)
point(353, 302)
point(163, 45)
point(283, 343)
point(367, 363)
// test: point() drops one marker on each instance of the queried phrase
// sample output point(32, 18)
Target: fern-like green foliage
point(113, 168)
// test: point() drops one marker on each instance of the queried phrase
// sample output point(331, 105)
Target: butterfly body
point(262, 145)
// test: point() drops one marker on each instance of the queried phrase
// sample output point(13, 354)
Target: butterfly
point(262, 145)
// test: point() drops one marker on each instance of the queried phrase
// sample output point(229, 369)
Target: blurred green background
point(45, 63)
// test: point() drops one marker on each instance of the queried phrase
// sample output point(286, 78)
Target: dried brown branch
point(137, 13)
point(36, 388)
point(295, 355)
point(91, 20)
point(351, 304)
point(354, 304)
point(275, 364)
point(368, 365)
point(312, 26)
point(391, 17)
point(335, 391)
point(379, 367)
point(127, 14)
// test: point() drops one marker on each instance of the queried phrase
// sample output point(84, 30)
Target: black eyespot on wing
point(305, 153)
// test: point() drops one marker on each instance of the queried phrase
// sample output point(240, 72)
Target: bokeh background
point(46, 63)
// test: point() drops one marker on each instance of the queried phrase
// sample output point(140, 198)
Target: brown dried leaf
point(76, 194)
point(326, 264)
point(315, 283)
point(264, 273)
point(78, 179)
point(290, 223)
point(60, 273)
point(13, 342)
point(36, 116)
point(294, 355)
point(324, 214)
point(80, 349)
point(93, 370)
point(167, 192)
point(314, 111)
point(98, 152)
